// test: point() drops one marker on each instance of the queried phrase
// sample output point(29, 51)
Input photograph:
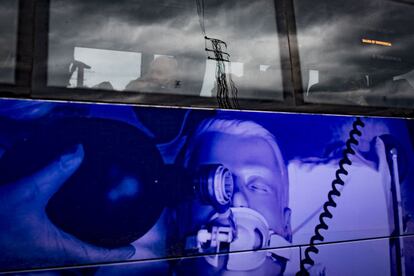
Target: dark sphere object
point(114, 197)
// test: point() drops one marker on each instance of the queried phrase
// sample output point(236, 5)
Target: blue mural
point(118, 189)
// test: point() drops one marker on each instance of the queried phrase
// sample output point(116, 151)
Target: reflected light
point(115, 67)
point(376, 42)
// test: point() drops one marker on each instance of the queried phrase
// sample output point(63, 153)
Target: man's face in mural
point(255, 170)
point(257, 178)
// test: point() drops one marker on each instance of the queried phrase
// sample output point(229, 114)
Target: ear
point(287, 228)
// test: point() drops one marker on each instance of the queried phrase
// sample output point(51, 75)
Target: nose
point(239, 199)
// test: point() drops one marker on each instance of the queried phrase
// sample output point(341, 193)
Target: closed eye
point(259, 186)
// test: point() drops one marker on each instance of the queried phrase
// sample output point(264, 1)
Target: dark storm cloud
point(8, 17)
point(164, 25)
point(132, 10)
point(8, 35)
point(330, 33)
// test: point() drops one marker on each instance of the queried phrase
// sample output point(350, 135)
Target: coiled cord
point(341, 171)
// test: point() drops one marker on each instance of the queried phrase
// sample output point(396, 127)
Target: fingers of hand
point(43, 184)
point(382, 155)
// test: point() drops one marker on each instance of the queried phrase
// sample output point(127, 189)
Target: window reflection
point(103, 69)
point(356, 52)
point(162, 75)
point(143, 46)
point(8, 36)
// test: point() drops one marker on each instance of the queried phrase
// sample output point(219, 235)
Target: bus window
point(8, 37)
point(357, 52)
point(171, 47)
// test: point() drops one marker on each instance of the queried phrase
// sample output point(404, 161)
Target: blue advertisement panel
point(119, 189)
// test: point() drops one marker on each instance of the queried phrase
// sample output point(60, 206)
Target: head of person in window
point(161, 76)
point(257, 217)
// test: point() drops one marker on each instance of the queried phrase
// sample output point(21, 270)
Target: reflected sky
point(172, 28)
point(355, 45)
point(8, 35)
point(117, 67)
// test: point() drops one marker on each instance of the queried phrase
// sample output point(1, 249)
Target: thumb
point(384, 170)
point(47, 181)
point(103, 255)
point(382, 155)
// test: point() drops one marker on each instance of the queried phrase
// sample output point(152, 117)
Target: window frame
point(42, 91)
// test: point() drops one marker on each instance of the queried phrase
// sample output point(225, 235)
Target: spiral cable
point(341, 171)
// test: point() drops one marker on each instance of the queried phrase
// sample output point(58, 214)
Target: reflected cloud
point(8, 39)
point(333, 40)
point(170, 28)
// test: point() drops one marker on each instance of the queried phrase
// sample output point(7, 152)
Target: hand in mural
point(29, 238)
point(383, 166)
point(384, 170)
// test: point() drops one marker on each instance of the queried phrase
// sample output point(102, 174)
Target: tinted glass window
point(8, 35)
point(357, 52)
point(160, 46)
